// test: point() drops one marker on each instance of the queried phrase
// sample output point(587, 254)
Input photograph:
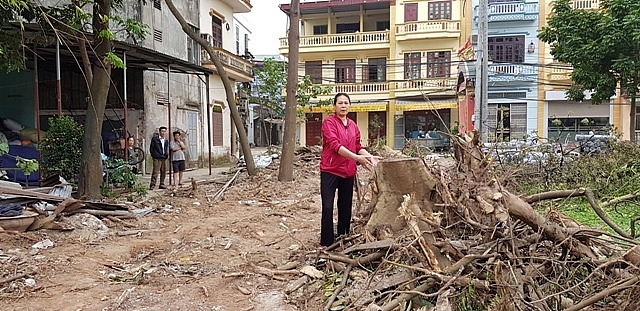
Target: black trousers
point(328, 185)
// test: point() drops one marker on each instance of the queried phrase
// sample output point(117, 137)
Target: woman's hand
point(374, 160)
point(364, 161)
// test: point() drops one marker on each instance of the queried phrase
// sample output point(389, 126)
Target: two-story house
point(560, 117)
point(396, 59)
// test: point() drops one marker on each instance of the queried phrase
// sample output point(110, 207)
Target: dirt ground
point(190, 254)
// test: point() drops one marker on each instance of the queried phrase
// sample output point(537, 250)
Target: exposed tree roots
point(457, 240)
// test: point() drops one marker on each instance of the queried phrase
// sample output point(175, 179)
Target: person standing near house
point(132, 155)
point(177, 158)
point(159, 150)
point(341, 150)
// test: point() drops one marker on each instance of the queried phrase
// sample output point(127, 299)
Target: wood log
point(550, 230)
point(609, 291)
point(557, 194)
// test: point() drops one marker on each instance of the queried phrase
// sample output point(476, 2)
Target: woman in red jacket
point(341, 149)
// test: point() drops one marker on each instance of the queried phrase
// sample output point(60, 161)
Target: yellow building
point(397, 59)
point(560, 117)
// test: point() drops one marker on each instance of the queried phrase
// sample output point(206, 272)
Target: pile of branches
point(452, 238)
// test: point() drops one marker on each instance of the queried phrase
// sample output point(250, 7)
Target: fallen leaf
point(312, 272)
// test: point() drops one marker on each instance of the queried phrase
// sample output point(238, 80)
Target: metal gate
point(398, 132)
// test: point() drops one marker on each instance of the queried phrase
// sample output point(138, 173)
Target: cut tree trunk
point(394, 179)
point(405, 190)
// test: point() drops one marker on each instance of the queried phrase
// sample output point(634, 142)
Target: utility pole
point(481, 107)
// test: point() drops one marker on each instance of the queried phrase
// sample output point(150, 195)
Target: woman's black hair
point(335, 99)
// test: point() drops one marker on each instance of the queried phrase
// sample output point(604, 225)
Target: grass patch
point(580, 211)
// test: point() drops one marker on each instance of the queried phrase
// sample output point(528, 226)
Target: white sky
point(267, 24)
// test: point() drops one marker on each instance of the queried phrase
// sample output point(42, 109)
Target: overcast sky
point(267, 24)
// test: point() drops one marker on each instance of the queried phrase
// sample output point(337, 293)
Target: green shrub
point(120, 174)
point(61, 148)
point(609, 174)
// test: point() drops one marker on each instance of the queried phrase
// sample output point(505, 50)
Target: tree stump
point(393, 179)
point(404, 198)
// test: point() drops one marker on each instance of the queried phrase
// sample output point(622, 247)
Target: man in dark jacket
point(159, 150)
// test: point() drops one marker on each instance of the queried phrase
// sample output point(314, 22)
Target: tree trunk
point(90, 177)
point(632, 118)
point(285, 172)
point(231, 99)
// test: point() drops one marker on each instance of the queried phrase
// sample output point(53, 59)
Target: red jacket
point(334, 135)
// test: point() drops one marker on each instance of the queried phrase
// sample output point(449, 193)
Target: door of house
point(217, 126)
point(314, 129)
point(345, 71)
point(410, 12)
point(192, 134)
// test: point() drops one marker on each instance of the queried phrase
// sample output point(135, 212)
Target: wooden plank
point(57, 199)
point(30, 194)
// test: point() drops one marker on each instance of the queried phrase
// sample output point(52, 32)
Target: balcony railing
point(229, 60)
point(511, 11)
point(560, 72)
point(365, 87)
point(428, 27)
point(443, 84)
point(512, 72)
point(339, 39)
point(586, 4)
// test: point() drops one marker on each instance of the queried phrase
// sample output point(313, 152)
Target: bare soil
point(191, 253)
